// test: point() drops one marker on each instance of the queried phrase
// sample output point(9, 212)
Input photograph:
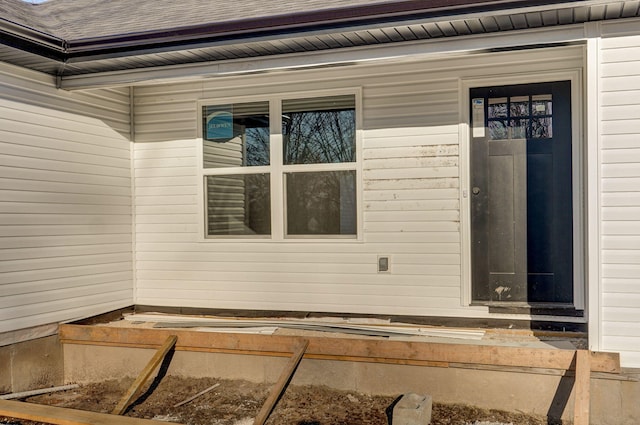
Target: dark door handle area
point(475, 190)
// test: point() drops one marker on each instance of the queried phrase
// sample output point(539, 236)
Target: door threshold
point(535, 309)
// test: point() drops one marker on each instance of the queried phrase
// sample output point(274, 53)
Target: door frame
point(578, 152)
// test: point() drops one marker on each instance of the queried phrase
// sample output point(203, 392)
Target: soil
point(238, 402)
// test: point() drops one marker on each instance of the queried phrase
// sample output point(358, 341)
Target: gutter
point(32, 40)
point(121, 45)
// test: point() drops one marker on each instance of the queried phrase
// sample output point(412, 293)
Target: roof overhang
point(315, 38)
point(415, 50)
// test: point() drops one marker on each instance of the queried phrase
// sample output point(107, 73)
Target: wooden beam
point(155, 361)
point(65, 416)
point(582, 385)
point(281, 385)
point(349, 349)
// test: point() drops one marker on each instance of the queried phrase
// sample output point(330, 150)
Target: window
point(294, 176)
point(520, 117)
point(235, 140)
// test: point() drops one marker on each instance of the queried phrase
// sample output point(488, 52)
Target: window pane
point(321, 203)
point(542, 104)
point(319, 131)
point(529, 117)
point(238, 205)
point(235, 135)
point(542, 128)
point(498, 107)
point(498, 130)
point(518, 129)
point(519, 106)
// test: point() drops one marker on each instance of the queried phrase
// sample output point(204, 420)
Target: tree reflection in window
point(318, 168)
point(319, 131)
point(321, 203)
point(520, 117)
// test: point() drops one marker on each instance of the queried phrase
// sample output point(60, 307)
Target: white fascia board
point(347, 56)
point(618, 27)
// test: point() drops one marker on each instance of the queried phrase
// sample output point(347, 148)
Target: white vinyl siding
point(620, 197)
point(410, 196)
point(65, 201)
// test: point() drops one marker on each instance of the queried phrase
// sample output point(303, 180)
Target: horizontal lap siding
point(620, 198)
point(65, 201)
point(410, 197)
point(410, 173)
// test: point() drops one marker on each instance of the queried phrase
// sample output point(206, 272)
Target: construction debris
point(413, 409)
point(31, 393)
point(379, 328)
point(240, 401)
point(196, 396)
point(64, 416)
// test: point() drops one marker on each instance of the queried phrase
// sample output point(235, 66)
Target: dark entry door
point(521, 196)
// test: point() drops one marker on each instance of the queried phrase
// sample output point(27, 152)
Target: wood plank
point(65, 416)
point(327, 348)
point(281, 385)
point(155, 361)
point(582, 384)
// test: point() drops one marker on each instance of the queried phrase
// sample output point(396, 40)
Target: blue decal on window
point(219, 123)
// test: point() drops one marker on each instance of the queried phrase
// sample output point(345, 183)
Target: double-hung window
point(284, 168)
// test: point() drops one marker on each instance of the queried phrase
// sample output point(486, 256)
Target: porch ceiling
point(292, 34)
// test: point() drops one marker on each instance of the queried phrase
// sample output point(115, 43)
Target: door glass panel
point(518, 129)
point(520, 117)
point(541, 128)
point(519, 106)
point(542, 104)
point(498, 130)
point(498, 107)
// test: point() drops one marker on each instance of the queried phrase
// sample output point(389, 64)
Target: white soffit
point(411, 50)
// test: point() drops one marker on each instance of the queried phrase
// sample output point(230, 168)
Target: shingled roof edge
point(36, 41)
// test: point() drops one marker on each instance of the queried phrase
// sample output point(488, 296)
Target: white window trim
point(578, 175)
point(277, 168)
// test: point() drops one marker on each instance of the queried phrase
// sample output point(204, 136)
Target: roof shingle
point(80, 19)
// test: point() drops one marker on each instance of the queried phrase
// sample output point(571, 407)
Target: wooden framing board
point(143, 377)
point(281, 385)
point(582, 408)
point(65, 416)
point(348, 349)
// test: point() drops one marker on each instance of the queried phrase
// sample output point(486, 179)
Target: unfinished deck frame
point(365, 350)
point(345, 349)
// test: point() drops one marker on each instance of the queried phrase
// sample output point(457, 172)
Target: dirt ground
point(238, 402)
